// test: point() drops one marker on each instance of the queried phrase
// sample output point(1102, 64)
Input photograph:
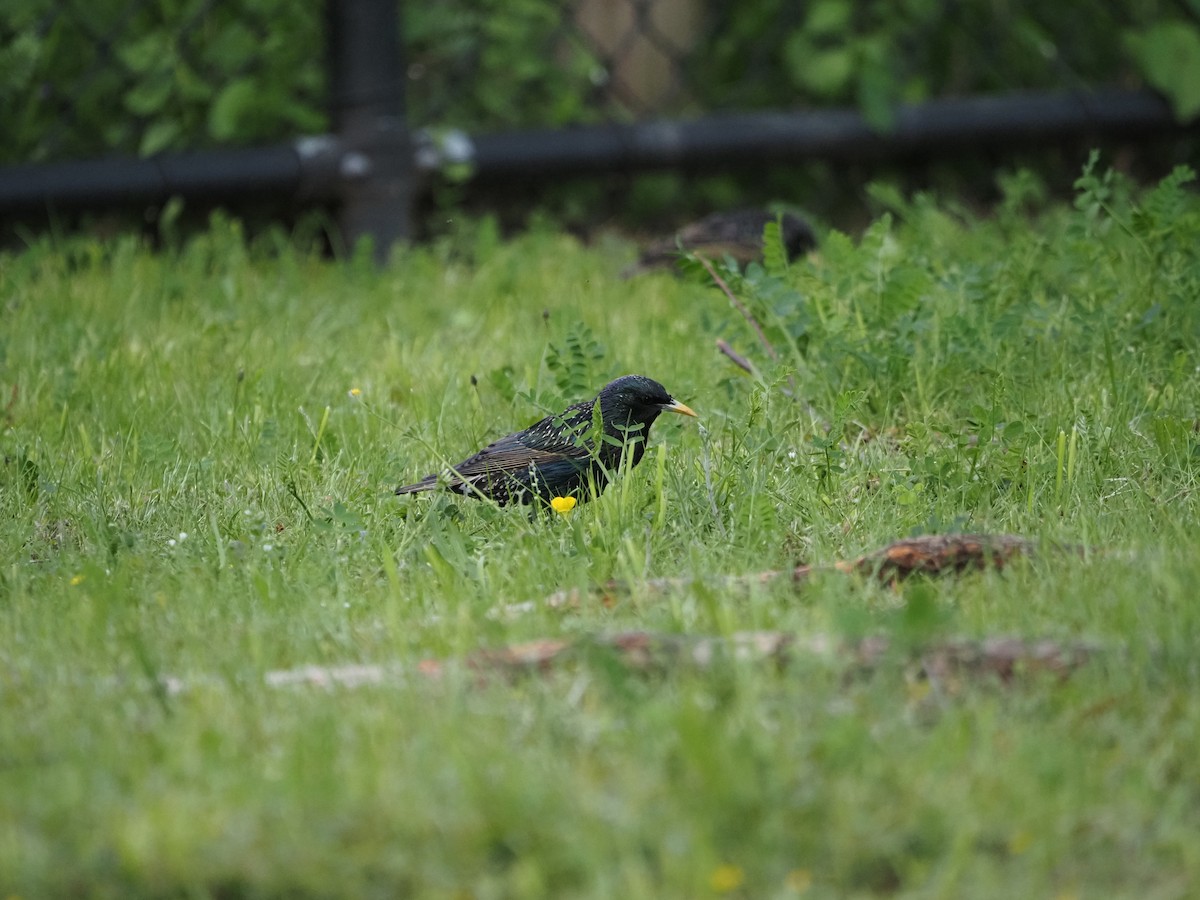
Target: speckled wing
point(552, 452)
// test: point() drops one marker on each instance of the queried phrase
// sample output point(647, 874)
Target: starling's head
point(636, 398)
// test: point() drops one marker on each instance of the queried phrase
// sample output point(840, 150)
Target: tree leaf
point(233, 104)
point(828, 17)
point(148, 97)
point(146, 53)
point(824, 72)
point(158, 137)
point(1169, 56)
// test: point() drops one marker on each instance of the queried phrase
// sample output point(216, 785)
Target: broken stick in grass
point(736, 358)
point(739, 306)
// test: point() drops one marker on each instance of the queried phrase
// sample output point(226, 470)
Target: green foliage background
point(85, 79)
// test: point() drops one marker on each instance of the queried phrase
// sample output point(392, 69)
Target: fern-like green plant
point(576, 366)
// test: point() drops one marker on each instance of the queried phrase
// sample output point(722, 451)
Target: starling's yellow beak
point(676, 407)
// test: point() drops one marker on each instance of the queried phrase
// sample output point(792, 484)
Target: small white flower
point(171, 542)
point(182, 536)
point(267, 548)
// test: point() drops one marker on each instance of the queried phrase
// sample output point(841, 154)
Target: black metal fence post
point(366, 75)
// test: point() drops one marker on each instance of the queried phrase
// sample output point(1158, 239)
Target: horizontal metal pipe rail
point(329, 168)
point(306, 169)
point(930, 130)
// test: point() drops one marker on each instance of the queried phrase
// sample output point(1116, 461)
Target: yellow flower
point(356, 392)
point(77, 579)
point(562, 505)
point(726, 878)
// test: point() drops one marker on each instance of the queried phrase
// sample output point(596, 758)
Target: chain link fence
point(81, 80)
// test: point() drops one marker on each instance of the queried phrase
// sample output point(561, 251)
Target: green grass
point(1031, 375)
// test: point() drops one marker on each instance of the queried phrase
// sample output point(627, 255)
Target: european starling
point(558, 456)
point(737, 233)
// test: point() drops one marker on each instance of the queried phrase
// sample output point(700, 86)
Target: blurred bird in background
point(737, 234)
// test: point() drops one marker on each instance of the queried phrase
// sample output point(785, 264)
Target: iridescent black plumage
point(737, 233)
point(558, 456)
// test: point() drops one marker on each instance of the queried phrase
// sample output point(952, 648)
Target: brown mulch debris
point(941, 661)
point(1003, 658)
point(931, 554)
point(935, 554)
point(948, 663)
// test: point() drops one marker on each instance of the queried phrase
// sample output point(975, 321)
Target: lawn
point(199, 448)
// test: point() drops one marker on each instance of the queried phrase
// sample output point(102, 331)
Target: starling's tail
point(428, 483)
